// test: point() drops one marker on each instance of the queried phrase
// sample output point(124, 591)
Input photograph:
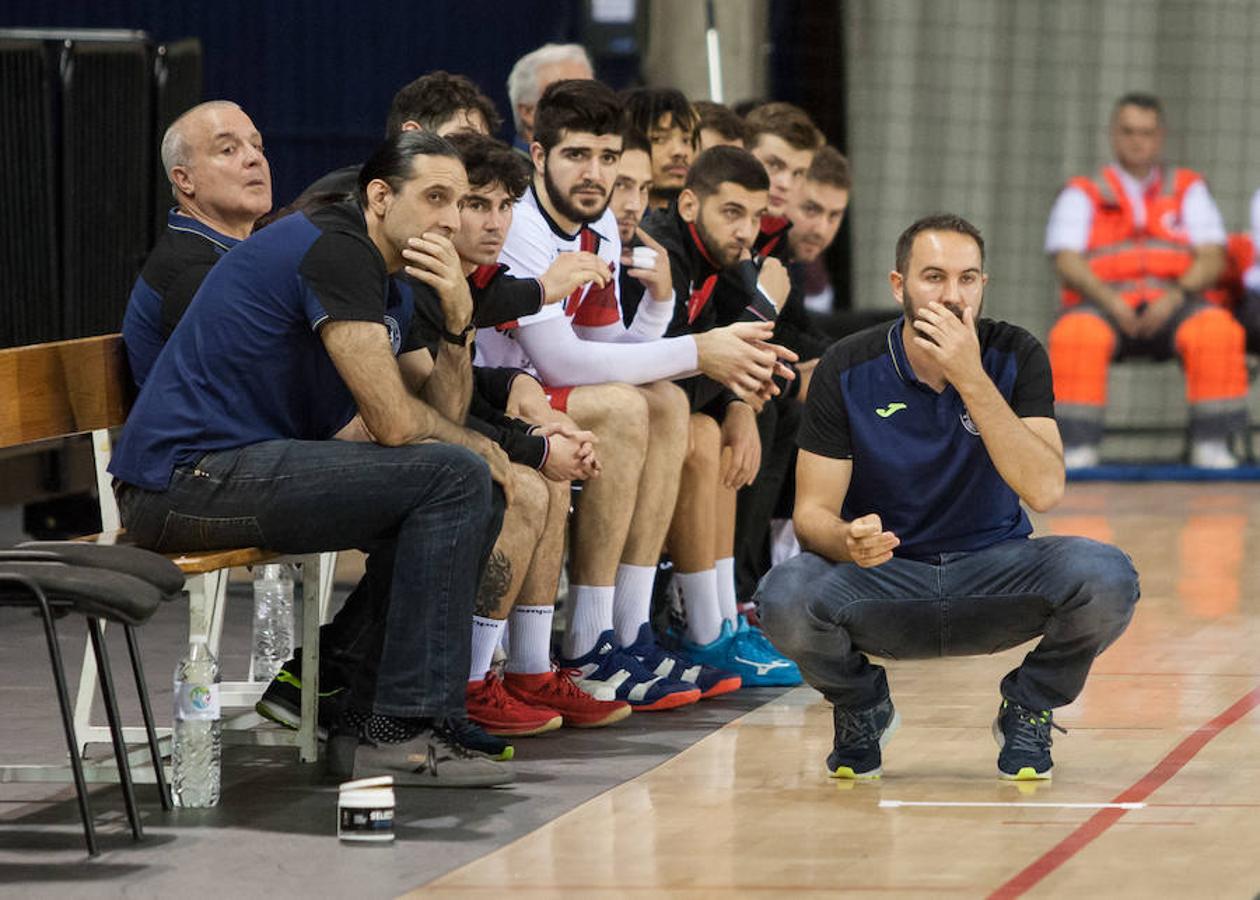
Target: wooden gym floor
point(1156, 790)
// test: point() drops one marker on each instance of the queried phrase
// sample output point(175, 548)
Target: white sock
point(530, 649)
point(591, 616)
point(485, 637)
point(726, 589)
point(700, 601)
point(632, 602)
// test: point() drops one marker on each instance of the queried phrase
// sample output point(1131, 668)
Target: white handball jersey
point(533, 243)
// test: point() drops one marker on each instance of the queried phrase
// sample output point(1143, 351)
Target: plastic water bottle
point(196, 750)
point(273, 620)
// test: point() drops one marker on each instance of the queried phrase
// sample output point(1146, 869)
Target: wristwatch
point(459, 340)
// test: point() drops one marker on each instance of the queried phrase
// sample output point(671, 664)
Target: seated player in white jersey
point(524, 567)
point(588, 361)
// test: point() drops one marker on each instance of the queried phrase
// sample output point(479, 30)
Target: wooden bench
point(65, 388)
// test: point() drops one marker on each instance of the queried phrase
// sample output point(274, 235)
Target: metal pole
point(714, 53)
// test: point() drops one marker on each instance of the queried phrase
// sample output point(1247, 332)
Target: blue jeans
point(424, 511)
point(1076, 594)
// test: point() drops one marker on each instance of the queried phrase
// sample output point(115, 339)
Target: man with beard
point(816, 214)
point(577, 349)
point(708, 232)
point(918, 443)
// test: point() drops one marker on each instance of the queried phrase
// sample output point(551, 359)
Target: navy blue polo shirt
point(185, 252)
point(918, 461)
point(246, 363)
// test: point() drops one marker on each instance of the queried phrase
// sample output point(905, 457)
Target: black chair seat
point(93, 592)
point(146, 565)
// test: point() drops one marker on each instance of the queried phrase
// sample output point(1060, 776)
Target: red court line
point(1094, 827)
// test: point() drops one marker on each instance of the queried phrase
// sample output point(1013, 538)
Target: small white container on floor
point(365, 810)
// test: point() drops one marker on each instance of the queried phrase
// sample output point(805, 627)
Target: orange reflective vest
point(1139, 262)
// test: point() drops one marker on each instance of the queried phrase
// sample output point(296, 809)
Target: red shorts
point(558, 397)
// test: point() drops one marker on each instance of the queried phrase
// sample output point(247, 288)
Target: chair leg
point(115, 727)
point(63, 703)
point(155, 753)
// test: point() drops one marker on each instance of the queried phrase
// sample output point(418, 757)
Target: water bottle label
point(196, 702)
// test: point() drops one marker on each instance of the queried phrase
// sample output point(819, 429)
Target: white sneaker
point(1212, 455)
point(1085, 456)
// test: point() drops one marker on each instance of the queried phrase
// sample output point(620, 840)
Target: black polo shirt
point(918, 460)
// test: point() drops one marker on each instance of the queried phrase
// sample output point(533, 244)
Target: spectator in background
point(1137, 247)
point(532, 74)
point(213, 157)
point(440, 103)
point(719, 125)
point(669, 120)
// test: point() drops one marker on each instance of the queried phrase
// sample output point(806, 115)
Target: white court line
point(892, 804)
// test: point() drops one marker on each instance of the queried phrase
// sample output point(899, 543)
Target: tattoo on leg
point(495, 581)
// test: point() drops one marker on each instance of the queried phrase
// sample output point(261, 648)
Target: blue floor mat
point(1161, 472)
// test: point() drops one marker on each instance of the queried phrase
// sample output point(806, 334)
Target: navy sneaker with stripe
point(608, 672)
point(711, 681)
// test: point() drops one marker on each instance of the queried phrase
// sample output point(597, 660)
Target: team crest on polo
point(965, 418)
point(395, 333)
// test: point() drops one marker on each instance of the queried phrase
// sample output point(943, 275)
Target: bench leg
point(206, 594)
point(312, 607)
point(85, 697)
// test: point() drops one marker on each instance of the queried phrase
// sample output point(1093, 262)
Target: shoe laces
point(493, 693)
point(755, 640)
point(565, 684)
point(1028, 730)
point(450, 735)
point(856, 729)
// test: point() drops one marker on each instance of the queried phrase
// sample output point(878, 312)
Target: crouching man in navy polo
point(919, 441)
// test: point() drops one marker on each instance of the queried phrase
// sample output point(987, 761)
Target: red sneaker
point(556, 690)
point(499, 712)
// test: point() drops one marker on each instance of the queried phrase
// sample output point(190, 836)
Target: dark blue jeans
point(424, 511)
point(1076, 594)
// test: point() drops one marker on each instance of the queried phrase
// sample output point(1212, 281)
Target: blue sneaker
point(747, 653)
point(859, 741)
point(610, 673)
point(1025, 739)
point(670, 664)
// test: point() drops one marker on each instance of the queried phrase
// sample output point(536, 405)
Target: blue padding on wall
point(1135, 472)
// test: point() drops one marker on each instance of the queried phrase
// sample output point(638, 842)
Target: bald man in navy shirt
point(919, 441)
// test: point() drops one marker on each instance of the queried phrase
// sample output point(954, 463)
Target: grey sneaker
point(433, 758)
point(860, 736)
